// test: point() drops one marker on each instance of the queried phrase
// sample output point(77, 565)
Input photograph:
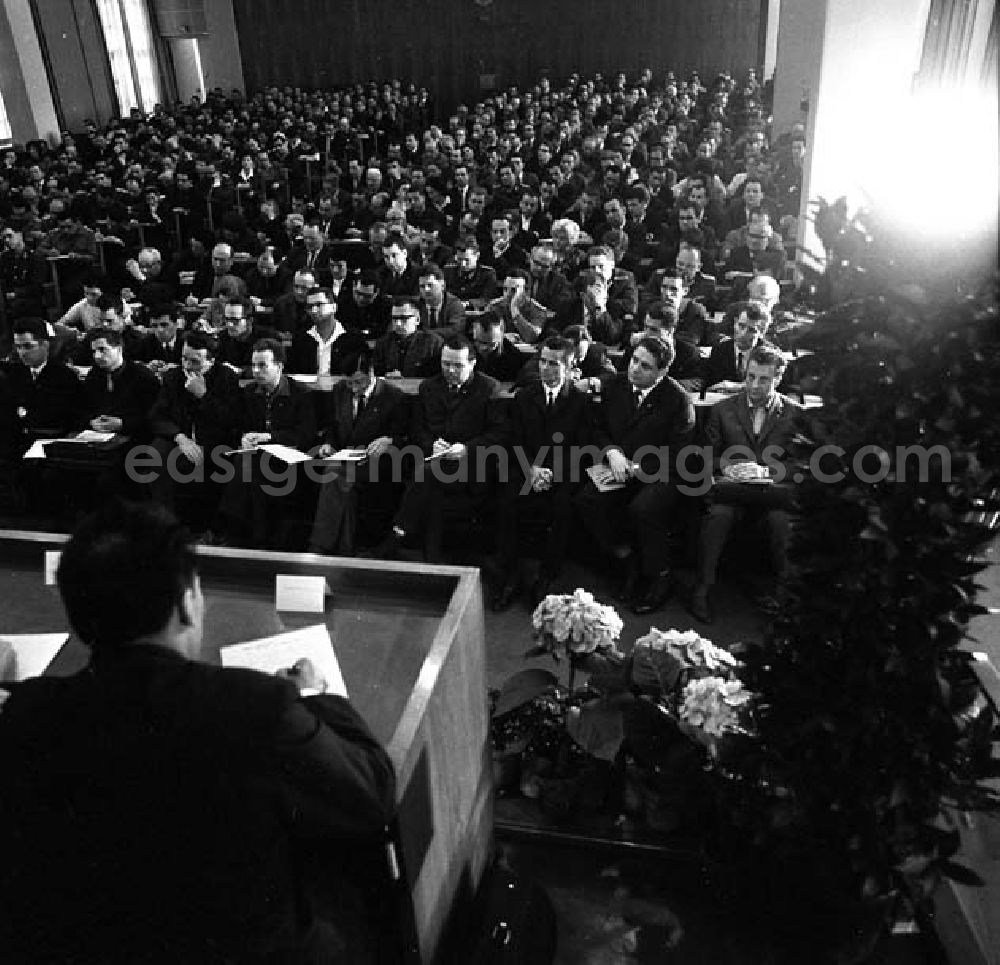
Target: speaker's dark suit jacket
point(158, 810)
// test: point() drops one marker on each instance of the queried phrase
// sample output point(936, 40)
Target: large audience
point(569, 275)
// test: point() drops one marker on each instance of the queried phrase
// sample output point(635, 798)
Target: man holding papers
point(456, 419)
point(643, 420)
point(274, 410)
point(369, 415)
point(750, 434)
point(158, 809)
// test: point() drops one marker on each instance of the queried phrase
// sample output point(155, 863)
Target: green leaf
point(522, 688)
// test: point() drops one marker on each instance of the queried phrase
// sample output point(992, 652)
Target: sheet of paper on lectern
point(300, 594)
point(280, 652)
point(33, 651)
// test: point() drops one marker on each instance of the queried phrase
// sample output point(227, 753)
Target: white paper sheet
point(287, 453)
point(348, 455)
point(299, 594)
point(34, 651)
point(271, 654)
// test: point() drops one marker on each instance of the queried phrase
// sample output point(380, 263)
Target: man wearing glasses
point(407, 350)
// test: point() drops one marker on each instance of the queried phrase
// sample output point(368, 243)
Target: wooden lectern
point(410, 643)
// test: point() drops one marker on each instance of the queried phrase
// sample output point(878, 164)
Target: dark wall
point(449, 45)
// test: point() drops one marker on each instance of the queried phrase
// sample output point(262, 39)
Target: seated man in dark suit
point(590, 309)
point(440, 311)
point(694, 324)
point(189, 795)
point(193, 417)
point(161, 348)
point(365, 412)
point(504, 255)
point(643, 409)
point(117, 393)
point(496, 356)
point(725, 368)
point(397, 276)
point(661, 322)
point(235, 346)
point(521, 314)
point(45, 397)
point(456, 420)
point(547, 419)
point(467, 280)
point(290, 312)
point(362, 308)
point(749, 435)
point(407, 350)
point(273, 409)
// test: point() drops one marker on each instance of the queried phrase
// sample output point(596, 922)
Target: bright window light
point(129, 42)
point(899, 176)
point(5, 133)
point(143, 56)
point(117, 46)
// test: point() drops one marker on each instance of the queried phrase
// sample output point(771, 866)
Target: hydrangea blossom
point(713, 704)
point(692, 651)
point(577, 622)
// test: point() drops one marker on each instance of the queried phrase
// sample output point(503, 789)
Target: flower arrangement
point(637, 724)
point(575, 623)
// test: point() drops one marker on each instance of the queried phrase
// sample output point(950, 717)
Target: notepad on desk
point(280, 652)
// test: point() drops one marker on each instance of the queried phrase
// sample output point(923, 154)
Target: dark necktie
point(432, 317)
point(360, 408)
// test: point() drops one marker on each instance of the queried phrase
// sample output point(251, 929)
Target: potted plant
point(867, 730)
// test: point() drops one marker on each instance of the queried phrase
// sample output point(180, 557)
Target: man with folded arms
point(440, 311)
point(467, 280)
point(367, 414)
point(741, 431)
point(157, 808)
point(644, 413)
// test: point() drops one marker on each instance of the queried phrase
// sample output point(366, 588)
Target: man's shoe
point(658, 593)
point(630, 577)
point(699, 605)
point(505, 597)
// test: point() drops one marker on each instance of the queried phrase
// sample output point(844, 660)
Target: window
point(5, 134)
point(129, 42)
